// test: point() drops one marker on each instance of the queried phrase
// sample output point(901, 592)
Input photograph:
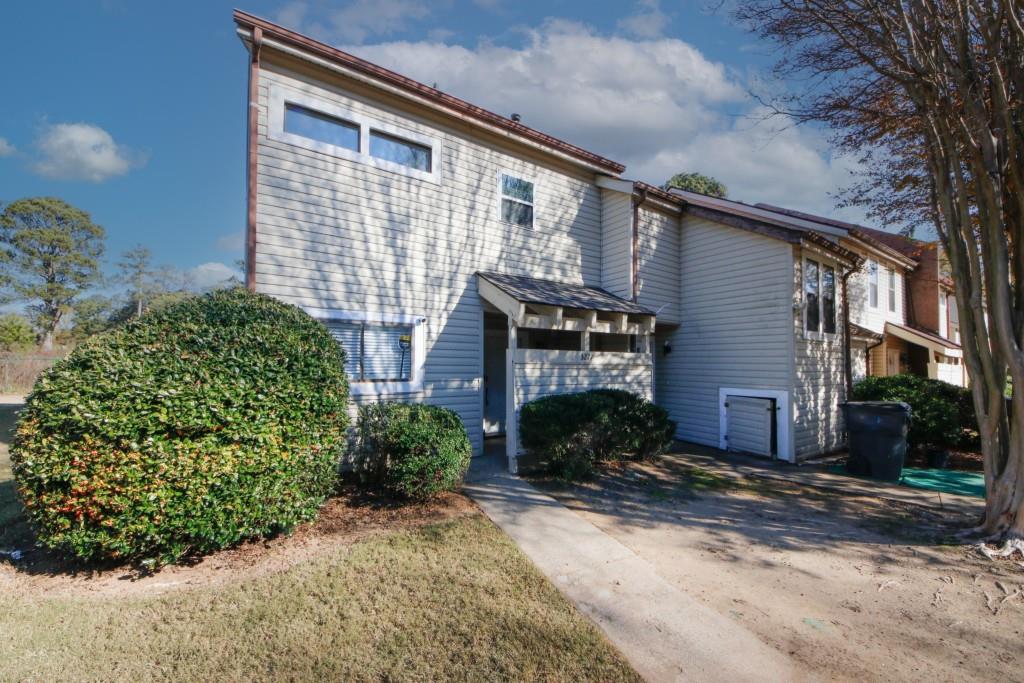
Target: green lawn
point(451, 601)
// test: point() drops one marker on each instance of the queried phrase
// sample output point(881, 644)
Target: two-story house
point(464, 259)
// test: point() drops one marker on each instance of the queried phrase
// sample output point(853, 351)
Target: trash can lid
point(880, 406)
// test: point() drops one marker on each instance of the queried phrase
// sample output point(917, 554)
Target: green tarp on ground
point(946, 481)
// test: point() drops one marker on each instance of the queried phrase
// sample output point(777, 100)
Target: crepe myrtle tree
point(50, 254)
point(928, 94)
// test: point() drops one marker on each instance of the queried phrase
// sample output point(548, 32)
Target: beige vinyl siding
point(617, 243)
point(658, 264)
point(338, 234)
point(735, 324)
point(818, 382)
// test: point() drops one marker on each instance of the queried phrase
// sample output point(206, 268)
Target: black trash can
point(878, 438)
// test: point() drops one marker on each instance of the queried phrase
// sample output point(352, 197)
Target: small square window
point(396, 150)
point(516, 200)
point(314, 125)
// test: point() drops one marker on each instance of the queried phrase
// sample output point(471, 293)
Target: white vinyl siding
point(818, 381)
point(858, 290)
point(735, 313)
point(541, 373)
point(337, 233)
point(617, 243)
point(658, 264)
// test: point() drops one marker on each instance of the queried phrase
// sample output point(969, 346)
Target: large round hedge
point(212, 420)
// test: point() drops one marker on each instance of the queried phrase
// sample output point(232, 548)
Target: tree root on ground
point(1009, 547)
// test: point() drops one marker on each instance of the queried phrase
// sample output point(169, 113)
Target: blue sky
point(135, 110)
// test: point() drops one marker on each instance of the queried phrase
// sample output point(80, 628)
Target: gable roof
point(531, 290)
point(383, 78)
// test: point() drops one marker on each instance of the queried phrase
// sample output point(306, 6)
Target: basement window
point(383, 353)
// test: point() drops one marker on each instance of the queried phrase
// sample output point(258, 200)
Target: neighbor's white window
point(516, 200)
point(819, 298)
point(873, 284)
point(383, 353)
point(892, 290)
point(323, 126)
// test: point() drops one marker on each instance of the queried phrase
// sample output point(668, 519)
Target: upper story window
point(892, 290)
point(516, 200)
point(314, 125)
point(384, 354)
point(873, 284)
point(321, 125)
point(394, 149)
point(819, 298)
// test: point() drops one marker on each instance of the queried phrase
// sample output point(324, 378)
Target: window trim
point(280, 96)
point(419, 338)
point(502, 197)
point(820, 335)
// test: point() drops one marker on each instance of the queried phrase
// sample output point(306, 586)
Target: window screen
point(316, 126)
point(375, 352)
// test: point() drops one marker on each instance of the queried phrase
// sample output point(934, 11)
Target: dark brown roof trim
point(859, 231)
point(271, 30)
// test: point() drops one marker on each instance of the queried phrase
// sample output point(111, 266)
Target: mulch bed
point(966, 461)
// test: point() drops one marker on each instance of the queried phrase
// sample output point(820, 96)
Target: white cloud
point(659, 106)
point(354, 22)
point(6, 148)
point(648, 22)
point(233, 242)
point(211, 274)
point(82, 151)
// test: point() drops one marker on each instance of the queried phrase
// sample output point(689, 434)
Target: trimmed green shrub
point(213, 420)
point(411, 449)
point(942, 414)
point(571, 433)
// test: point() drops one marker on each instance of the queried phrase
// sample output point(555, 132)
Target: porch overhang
point(550, 305)
point(928, 340)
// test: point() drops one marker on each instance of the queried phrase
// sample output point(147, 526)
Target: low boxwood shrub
point(212, 420)
point(411, 449)
point(942, 414)
point(571, 433)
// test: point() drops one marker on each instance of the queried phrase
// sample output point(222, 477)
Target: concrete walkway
point(664, 633)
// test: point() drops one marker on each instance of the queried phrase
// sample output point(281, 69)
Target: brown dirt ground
point(852, 588)
point(346, 518)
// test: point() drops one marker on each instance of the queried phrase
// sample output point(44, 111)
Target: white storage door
point(749, 424)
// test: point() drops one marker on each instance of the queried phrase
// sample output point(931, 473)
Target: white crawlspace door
point(750, 424)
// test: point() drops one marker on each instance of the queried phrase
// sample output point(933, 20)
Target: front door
point(892, 361)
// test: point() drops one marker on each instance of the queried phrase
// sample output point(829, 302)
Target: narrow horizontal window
point(516, 200)
point(375, 352)
point(396, 150)
point(314, 125)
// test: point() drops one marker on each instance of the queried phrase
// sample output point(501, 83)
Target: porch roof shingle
point(530, 290)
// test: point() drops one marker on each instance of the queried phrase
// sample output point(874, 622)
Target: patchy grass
point(454, 600)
